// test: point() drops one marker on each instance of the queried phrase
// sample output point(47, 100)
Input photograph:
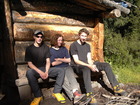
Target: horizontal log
point(114, 4)
point(40, 17)
point(24, 32)
point(56, 6)
point(20, 47)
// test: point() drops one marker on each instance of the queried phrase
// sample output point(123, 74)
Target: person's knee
point(86, 69)
point(29, 73)
point(61, 71)
point(107, 64)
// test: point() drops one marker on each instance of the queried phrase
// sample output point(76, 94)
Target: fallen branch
point(133, 92)
point(123, 100)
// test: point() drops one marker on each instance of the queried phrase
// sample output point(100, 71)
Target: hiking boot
point(93, 100)
point(119, 91)
point(85, 100)
point(60, 98)
point(77, 97)
point(36, 101)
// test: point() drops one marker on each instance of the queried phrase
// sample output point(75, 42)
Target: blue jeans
point(33, 76)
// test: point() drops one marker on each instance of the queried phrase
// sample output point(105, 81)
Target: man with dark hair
point(82, 62)
point(37, 56)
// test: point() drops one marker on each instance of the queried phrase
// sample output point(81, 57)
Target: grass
point(128, 74)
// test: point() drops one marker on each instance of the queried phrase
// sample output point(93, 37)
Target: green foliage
point(122, 39)
point(128, 74)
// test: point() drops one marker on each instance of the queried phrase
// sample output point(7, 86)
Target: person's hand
point(43, 75)
point(46, 75)
point(93, 68)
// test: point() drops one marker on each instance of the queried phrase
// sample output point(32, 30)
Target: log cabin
point(20, 18)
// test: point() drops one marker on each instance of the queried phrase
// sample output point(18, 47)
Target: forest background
point(122, 44)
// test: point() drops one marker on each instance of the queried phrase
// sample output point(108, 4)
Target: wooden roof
point(102, 5)
point(92, 7)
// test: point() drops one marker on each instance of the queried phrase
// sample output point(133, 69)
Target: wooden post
point(98, 40)
point(101, 42)
point(8, 44)
point(10, 73)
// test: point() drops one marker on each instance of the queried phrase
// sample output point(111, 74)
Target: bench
point(25, 90)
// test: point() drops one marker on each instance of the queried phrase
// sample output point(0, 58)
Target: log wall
point(52, 17)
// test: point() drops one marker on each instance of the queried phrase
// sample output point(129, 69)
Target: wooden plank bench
point(25, 90)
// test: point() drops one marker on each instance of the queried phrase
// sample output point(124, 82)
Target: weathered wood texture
point(89, 4)
point(112, 14)
point(52, 17)
point(102, 5)
point(54, 6)
point(20, 47)
point(98, 40)
point(40, 17)
point(24, 31)
point(115, 5)
point(9, 63)
point(21, 69)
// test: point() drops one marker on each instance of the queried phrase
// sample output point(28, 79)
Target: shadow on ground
point(49, 100)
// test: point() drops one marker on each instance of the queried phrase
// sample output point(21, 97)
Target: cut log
point(113, 14)
point(40, 17)
point(113, 4)
point(24, 32)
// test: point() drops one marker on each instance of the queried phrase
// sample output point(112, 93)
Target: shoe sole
point(40, 101)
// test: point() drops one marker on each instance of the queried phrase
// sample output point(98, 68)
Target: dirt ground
point(99, 92)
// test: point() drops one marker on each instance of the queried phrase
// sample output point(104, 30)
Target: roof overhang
point(103, 6)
